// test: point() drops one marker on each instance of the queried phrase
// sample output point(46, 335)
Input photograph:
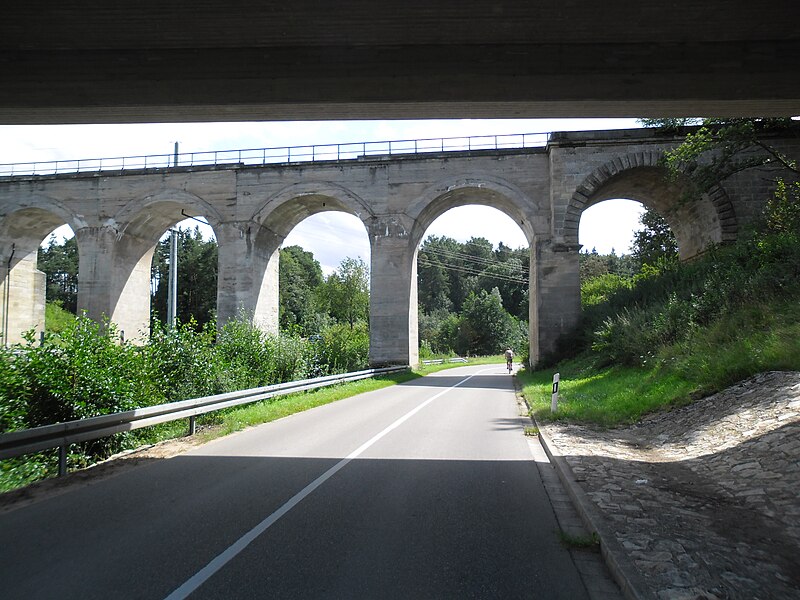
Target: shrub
point(341, 348)
point(182, 359)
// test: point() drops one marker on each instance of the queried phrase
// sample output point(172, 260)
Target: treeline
point(310, 303)
point(473, 298)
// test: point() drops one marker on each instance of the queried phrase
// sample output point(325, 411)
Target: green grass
point(604, 397)
point(579, 542)
point(748, 341)
point(56, 318)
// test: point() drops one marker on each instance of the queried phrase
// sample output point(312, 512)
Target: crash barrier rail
point(280, 155)
point(439, 361)
point(61, 435)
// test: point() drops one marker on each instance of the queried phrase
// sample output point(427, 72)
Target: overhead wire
point(513, 270)
point(427, 263)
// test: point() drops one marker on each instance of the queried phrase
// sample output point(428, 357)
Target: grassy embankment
point(679, 334)
point(753, 340)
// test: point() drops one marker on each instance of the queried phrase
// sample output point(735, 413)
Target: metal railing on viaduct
point(280, 155)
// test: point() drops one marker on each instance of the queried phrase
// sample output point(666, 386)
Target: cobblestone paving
point(704, 498)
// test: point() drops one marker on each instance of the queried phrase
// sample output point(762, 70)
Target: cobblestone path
point(705, 499)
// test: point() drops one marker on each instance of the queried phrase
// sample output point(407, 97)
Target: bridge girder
point(94, 61)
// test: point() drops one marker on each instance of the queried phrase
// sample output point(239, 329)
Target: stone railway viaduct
point(118, 218)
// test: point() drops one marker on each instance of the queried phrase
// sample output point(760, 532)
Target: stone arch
point(395, 241)
point(149, 217)
point(24, 224)
point(250, 249)
point(641, 176)
point(285, 209)
point(485, 190)
point(115, 278)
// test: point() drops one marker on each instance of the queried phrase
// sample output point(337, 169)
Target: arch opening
point(696, 223)
point(194, 295)
point(472, 277)
point(324, 275)
point(138, 290)
point(25, 285)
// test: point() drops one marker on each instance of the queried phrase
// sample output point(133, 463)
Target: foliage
point(341, 348)
point(182, 359)
point(667, 303)
point(670, 124)
point(655, 242)
point(300, 275)
point(721, 148)
point(197, 277)
point(485, 327)
point(592, 264)
point(473, 298)
point(345, 293)
point(449, 271)
point(748, 340)
point(85, 371)
point(783, 209)
point(59, 263)
point(56, 318)
point(600, 288)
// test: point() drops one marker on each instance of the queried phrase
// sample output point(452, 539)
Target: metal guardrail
point(280, 155)
point(439, 361)
point(61, 435)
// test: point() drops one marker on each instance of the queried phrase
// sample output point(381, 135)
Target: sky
point(330, 236)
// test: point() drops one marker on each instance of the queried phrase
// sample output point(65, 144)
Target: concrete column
point(393, 333)
point(249, 256)
point(22, 292)
point(557, 308)
point(114, 279)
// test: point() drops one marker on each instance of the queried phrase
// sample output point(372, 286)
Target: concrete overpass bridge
point(105, 62)
point(119, 215)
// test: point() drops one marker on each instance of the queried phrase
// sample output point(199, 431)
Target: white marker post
point(554, 399)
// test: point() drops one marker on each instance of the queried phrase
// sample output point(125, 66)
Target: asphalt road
point(421, 490)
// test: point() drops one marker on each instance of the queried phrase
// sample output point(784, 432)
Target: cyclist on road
point(509, 359)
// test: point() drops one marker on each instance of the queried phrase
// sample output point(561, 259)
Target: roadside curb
point(620, 566)
point(622, 570)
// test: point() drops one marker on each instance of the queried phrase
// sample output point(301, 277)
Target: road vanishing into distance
point(427, 489)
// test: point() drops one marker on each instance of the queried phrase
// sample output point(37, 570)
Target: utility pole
point(7, 295)
point(172, 288)
point(175, 163)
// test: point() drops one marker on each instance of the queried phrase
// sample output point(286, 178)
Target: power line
point(426, 263)
point(477, 261)
point(470, 258)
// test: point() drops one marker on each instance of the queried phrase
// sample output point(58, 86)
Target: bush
point(599, 289)
point(665, 305)
point(183, 360)
point(341, 348)
point(85, 371)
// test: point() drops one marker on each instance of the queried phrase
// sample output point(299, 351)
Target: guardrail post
point(62, 461)
point(192, 425)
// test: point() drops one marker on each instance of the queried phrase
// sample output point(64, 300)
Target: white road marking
point(234, 549)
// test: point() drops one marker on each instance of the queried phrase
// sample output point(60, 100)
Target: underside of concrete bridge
point(96, 61)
